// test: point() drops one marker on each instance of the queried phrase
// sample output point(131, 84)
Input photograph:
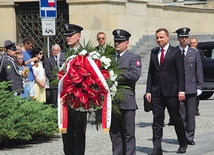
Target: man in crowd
point(51, 68)
point(103, 47)
point(193, 82)
point(165, 88)
point(74, 139)
point(26, 51)
point(9, 69)
point(194, 43)
point(122, 130)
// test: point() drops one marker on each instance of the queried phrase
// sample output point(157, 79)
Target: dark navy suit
point(164, 83)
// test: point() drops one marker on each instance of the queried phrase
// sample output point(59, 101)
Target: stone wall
point(139, 17)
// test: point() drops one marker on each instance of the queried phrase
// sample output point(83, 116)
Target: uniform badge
point(184, 29)
point(66, 27)
point(137, 63)
point(8, 67)
point(118, 32)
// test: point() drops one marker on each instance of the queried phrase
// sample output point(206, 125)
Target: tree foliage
point(23, 120)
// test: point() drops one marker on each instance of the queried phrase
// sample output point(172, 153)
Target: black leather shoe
point(197, 113)
point(191, 142)
point(182, 149)
point(157, 152)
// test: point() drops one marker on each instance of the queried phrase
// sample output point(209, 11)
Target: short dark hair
point(162, 29)
point(28, 40)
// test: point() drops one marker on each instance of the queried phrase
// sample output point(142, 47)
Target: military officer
point(73, 48)
point(74, 139)
point(122, 130)
point(193, 82)
point(9, 69)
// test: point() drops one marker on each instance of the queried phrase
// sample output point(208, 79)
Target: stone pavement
point(98, 142)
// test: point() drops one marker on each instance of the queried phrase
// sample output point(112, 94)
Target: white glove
point(199, 92)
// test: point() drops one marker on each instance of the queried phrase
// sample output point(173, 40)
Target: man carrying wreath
point(74, 138)
point(122, 130)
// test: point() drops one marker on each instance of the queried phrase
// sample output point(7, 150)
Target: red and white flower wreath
point(86, 84)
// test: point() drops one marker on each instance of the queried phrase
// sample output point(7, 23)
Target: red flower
point(98, 62)
point(71, 89)
point(78, 92)
point(90, 80)
point(96, 101)
point(85, 85)
point(105, 73)
point(83, 71)
point(92, 93)
point(80, 60)
point(61, 74)
point(83, 98)
point(74, 103)
point(77, 78)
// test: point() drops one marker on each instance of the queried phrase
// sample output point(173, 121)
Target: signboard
point(48, 9)
point(48, 26)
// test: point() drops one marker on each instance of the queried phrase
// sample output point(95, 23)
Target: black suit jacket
point(168, 79)
point(50, 66)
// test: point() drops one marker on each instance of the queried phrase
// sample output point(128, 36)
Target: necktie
point(183, 52)
point(55, 57)
point(162, 57)
point(118, 56)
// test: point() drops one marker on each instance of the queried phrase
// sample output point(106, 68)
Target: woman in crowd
point(39, 74)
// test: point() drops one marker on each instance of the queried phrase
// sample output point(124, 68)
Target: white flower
point(111, 72)
point(94, 55)
point(83, 52)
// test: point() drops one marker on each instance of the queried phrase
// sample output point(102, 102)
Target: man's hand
point(181, 96)
point(149, 97)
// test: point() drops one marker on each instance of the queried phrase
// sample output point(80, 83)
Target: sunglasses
point(20, 58)
point(100, 38)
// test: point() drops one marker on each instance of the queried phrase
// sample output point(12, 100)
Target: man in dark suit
point(165, 87)
point(193, 82)
point(194, 43)
point(74, 139)
point(51, 67)
point(103, 47)
point(122, 130)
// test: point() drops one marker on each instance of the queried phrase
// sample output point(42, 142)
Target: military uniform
point(122, 130)
point(74, 139)
point(9, 72)
point(193, 85)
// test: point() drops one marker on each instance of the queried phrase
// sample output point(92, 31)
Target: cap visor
point(65, 34)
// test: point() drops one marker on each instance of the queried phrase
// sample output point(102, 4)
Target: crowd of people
point(175, 80)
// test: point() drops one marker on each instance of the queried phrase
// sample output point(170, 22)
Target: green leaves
point(24, 119)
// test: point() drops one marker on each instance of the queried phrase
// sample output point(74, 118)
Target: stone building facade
point(139, 17)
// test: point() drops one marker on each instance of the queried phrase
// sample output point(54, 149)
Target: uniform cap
point(120, 35)
point(183, 32)
point(72, 29)
point(8, 43)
